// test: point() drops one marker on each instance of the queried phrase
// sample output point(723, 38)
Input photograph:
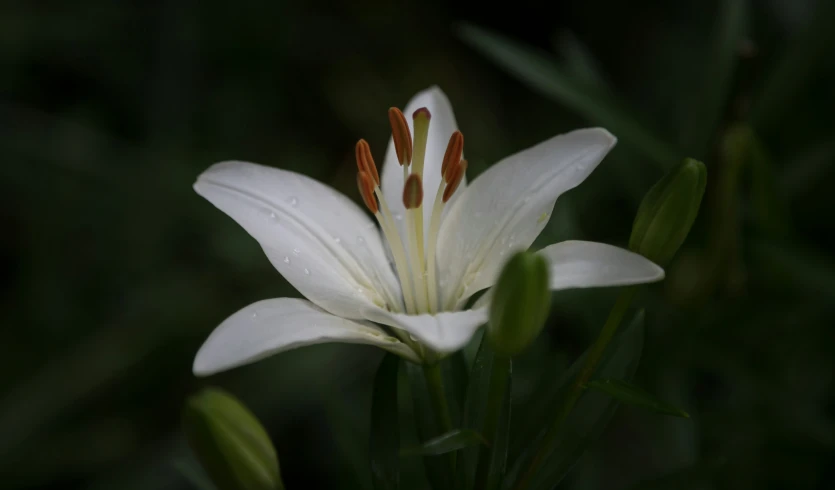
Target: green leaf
point(385, 430)
point(230, 443)
point(445, 443)
point(195, 474)
point(489, 390)
point(437, 469)
point(579, 61)
point(589, 418)
point(633, 395)
point(545, 76)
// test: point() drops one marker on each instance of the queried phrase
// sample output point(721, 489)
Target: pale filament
point(414, 260)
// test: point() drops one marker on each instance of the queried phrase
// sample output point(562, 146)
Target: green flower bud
point(668, 211)
point(520, 303)
point(230, 443)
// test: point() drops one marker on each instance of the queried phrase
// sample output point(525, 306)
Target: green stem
point(495, 404)
point(589, 366)
point(437, 395)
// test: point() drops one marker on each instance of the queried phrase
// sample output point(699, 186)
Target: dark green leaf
point(492, 462)
point(633, 395)
point(579, 61)
point(437, 469)
point(489, 378)
point(451, 441)
point(195, 474)
point(542, 74)
point(590, 416)
point(385, 430)
point(456, 378)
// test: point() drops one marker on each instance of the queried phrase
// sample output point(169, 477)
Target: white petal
point(275, 325)
point(578, 264)
point(443, 332)
point(318, 239)
point(441, 126)
point(505, 208)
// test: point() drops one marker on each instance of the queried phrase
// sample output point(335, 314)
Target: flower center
point(414, 262)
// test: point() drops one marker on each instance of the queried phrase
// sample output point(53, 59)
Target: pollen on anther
point(366, 188)
point(453, 153)
point(413, 192)
point(401, 135)
point(456, 175)
point(365, 162)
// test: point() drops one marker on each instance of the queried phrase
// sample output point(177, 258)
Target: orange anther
point(456, 175)
point(401, 135)
point(454, 150)
point(365, 162)
point(366, 187)
point(413, 192)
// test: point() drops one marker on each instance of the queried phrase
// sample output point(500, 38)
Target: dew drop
point(293, 200)
point(286, 260)
point(273, 216)
point(360, 240)
point(307, 272)
point(398, 216)
point(254, 314)
point(295, 251)
point(337, 240)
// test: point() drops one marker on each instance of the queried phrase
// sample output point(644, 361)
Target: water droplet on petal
point(398, 216)
point(254, 314)
point(273, 216)
point(307, 272)
point(286, 260)
point(293, 201)
point(360, 240)
point(295, 251)
point(337, 240)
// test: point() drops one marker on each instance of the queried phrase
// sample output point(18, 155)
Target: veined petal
point(275, 325)
point(441, 127)
point(443, 332)
point(579, 264)
point(505, 208)
point(318, 239)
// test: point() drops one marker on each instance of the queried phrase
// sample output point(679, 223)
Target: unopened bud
point(668, 211)
point(230, 443)
point(520, 304)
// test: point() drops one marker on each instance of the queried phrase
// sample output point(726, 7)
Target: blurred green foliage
point(114, 270)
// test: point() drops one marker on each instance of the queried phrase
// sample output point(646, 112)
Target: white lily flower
point(435, 243)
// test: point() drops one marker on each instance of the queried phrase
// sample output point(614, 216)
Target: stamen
point(421, 119)
point(413, 192)
point(412, 201)
point(366, 187)
point(455, 175)
point(397, 250)
point(453, 153)
point(401, 135)
point(365, 162)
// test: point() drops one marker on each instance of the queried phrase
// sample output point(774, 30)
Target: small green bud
point(668, 211)
point(230, 443)
point(519, 308)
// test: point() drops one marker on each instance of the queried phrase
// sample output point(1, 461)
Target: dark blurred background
point(114, 270)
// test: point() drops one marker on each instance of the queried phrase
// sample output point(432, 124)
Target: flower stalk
point(603, 340)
